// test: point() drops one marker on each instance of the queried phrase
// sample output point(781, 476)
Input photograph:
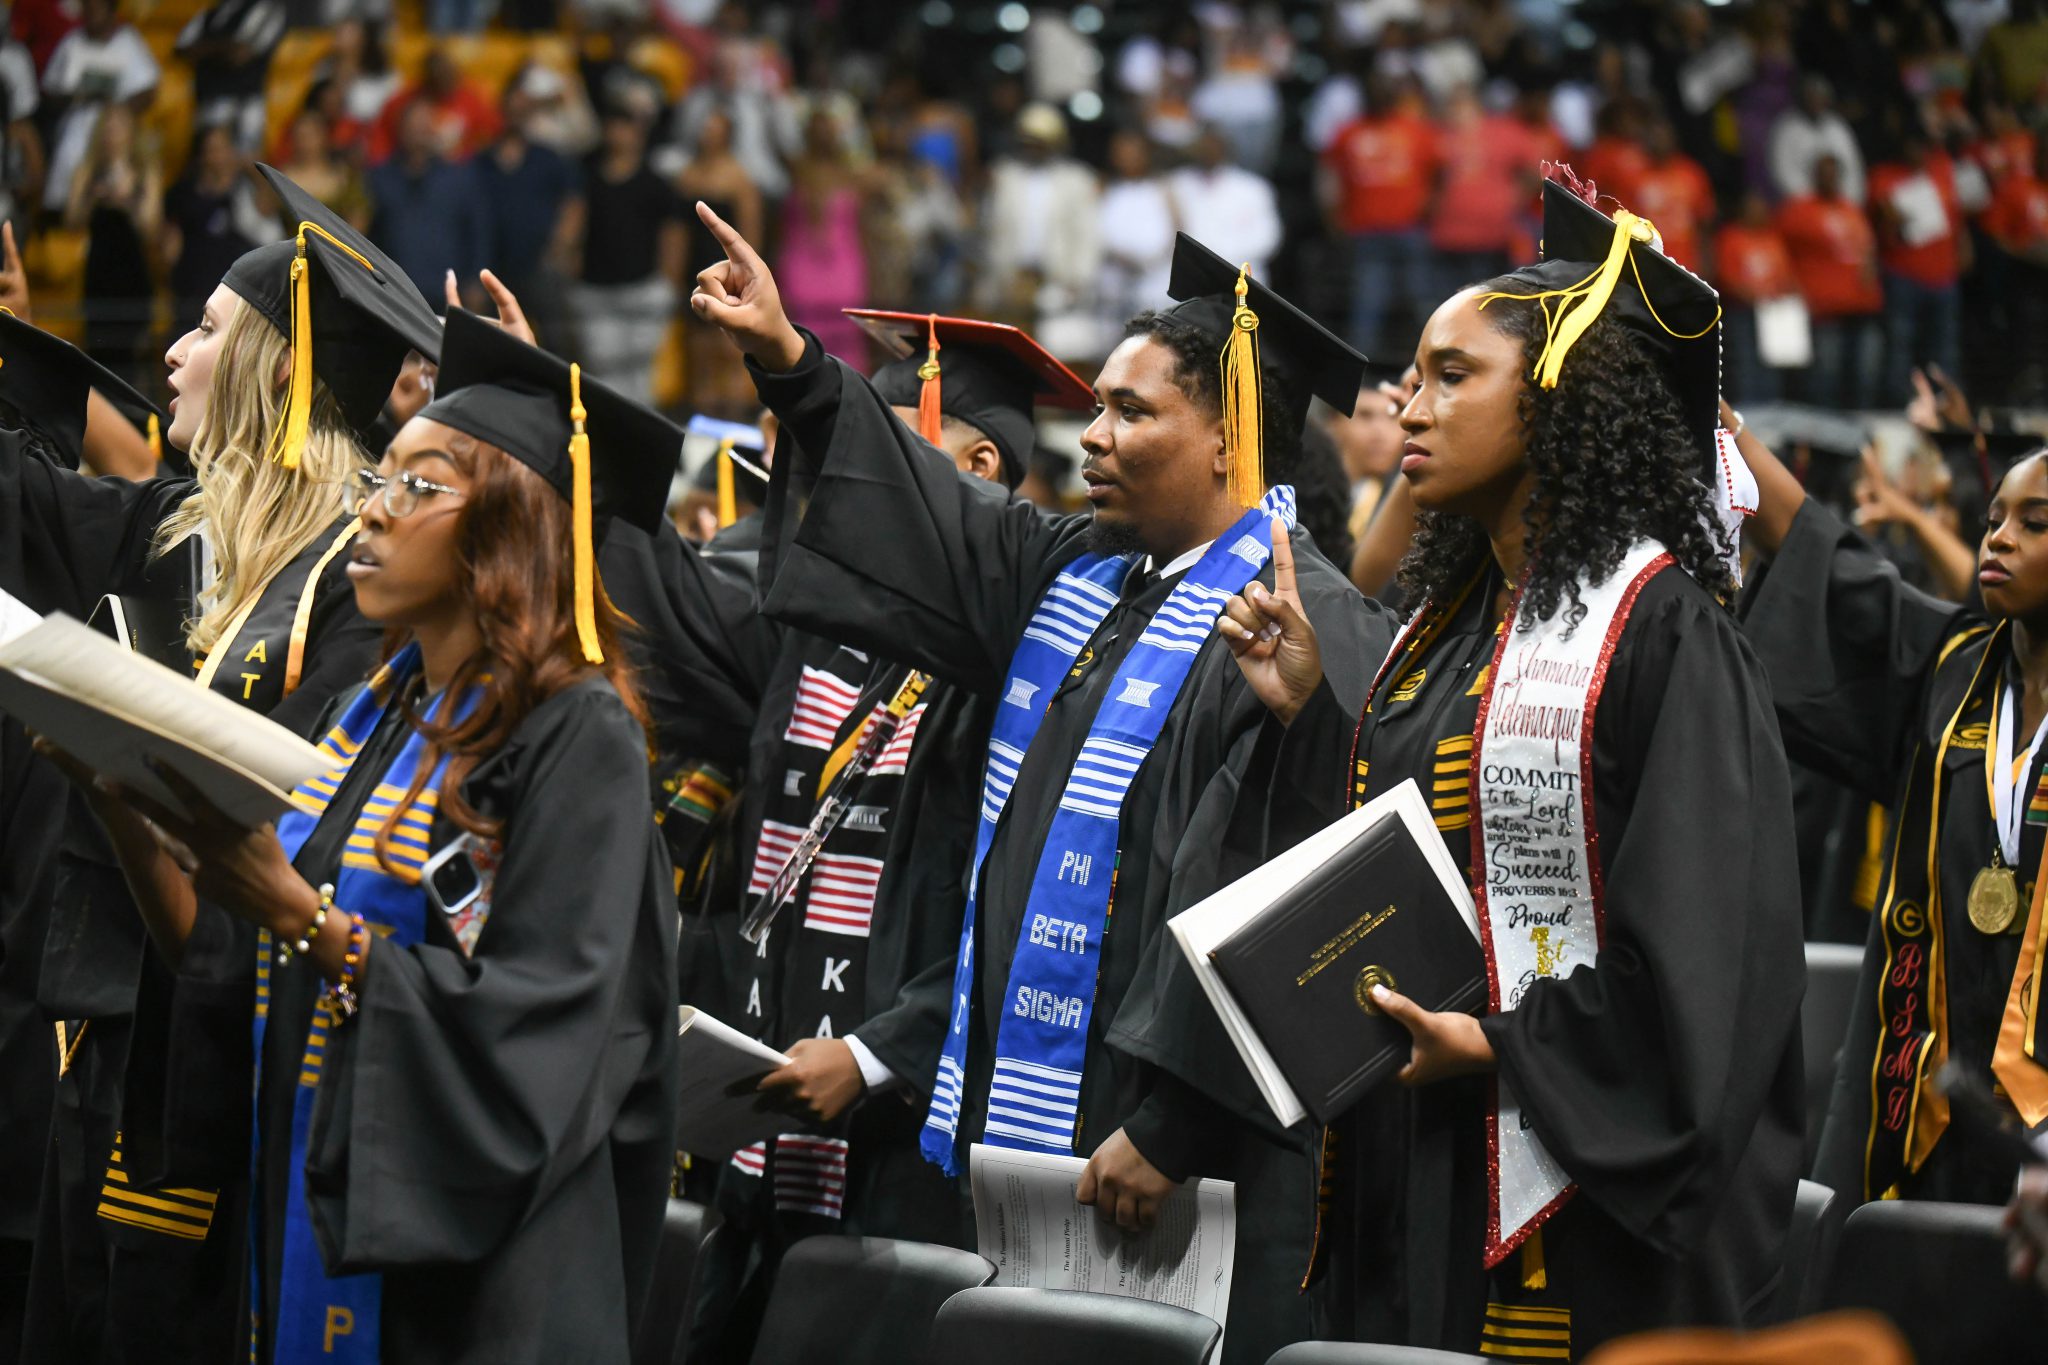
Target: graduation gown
point(1665, 1079)
point(899, 553)
point(1867, 673)
point(494, 1133)
point(112, 1268)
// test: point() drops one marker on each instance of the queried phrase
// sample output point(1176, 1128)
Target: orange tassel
point(929, 419)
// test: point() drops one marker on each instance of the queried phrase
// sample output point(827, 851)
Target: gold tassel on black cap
point(728, 500)
point(291, 434)
point(156, 439)
point(930, 420)
point(1242, 411)
point(579, 517)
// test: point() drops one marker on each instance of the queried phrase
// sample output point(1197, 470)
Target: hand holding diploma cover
point(1029, 1226)
point(1288, 954)
point(119, 713)
point(720, 1110)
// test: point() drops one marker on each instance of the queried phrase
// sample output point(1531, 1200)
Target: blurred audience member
point(1751, 267)
point(532, 205)
point(560, 116)
point(1924, 249)
point(916, 228)
point(1230, 208)
point(210, 218)
point(358, 67)
point(1672, 191)
point(116, 199)
point(632, 254)
point(717, 373)
point(21, 145)
point(1376, 184)
point(101, 63)
point(425, 210)
point(1489, 170)
point(823, 267)
point(2017, 227)
point(1136, 223)
point(460, 118)
point(1043, 258)
point(1369, 442)
point(229, 45)
point(312, 162)
point(1834, 256)
point(1616, 157)
point(743, 87)
point(1806, 132)
point(1239, 100)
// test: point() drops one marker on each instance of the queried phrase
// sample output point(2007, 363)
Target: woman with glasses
point(463, 979)
point(292, 356)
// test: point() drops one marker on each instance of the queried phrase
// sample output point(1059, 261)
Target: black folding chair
point(1810, 1248)
point(1034, 1326)
point(1938, 1271)
point(1831, 970)
point(861, 1300)
point(685, 1231)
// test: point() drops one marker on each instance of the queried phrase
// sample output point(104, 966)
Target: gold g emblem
point(1908, 919)
point(1368, 977)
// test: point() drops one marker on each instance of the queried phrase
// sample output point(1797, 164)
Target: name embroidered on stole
point(321, 1316)
point(1041, 1044)
point(1535, 851)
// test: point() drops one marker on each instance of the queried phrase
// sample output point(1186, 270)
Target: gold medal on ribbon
point(1994, 899)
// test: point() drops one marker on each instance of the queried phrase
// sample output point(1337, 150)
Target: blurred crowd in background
point(1866, 181)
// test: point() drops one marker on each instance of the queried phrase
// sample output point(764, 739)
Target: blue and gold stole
point(320, 1316)
point(1041, 1045)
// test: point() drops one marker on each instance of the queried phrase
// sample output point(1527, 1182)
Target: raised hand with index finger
point(1270, 635)
point(738, 296)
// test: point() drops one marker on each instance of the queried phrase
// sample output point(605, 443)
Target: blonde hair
point(257, 515)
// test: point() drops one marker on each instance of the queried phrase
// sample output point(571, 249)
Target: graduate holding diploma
point(1614, 1145)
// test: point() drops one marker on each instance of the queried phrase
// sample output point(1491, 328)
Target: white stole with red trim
point(1534, 848)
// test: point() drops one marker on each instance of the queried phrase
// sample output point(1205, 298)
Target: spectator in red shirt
point(464, 121)
point(1616, 157)
point(1924, 250)
point(2017, 224)
point(1673, 192)
point(1489, 169)
point(1751, 266)
point(1376, 187)
point(1834, 257)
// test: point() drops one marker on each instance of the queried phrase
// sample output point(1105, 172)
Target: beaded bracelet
point(287, 950)
point(341, 994)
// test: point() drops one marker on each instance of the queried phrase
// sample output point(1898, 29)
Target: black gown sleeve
point(82, 537)
point(1847, 646)
point(470, 1088)
point(1648, 1073)
point(898, 553)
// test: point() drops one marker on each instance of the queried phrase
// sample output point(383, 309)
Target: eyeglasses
point(401, 495)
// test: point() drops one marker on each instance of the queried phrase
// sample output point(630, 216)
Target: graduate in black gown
point(272, 384)
point(1936, 710)
point(462, 994)
point(900, 554)
point(1634, 1085)
point(856, 971)
point(46, 389)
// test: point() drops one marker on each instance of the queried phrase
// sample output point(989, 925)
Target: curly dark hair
point(1198, 371)
point(1614, 462)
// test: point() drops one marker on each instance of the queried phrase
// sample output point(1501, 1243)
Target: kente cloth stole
point(1535, 850)
point(1040, 1047)
point(1908, 1113)
point(322, 1317)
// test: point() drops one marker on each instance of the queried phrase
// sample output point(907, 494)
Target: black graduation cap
point(717, 476)
point(46, 379)
point(987, 374)
point(540, 410)
point(1258, 332)
point(1594, 265)
point(349, 311)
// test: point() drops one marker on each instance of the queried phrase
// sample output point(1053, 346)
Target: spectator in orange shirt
point(2017, 224)
point(1751, 266)
point(1489, 170)
point(1834, 257)
point(1616, 157)
point(1924, 250)
point(1673, 192)
point(464, 121)
point(1375, 184)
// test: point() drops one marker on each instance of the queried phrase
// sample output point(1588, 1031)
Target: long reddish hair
point(517, 580)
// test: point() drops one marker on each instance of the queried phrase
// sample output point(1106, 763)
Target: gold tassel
point(1243, 440)
point(579, 517)
point(1533, 1274)
point(290, 439)
point(728, 503)
point(930, 421)
point(156, 439)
